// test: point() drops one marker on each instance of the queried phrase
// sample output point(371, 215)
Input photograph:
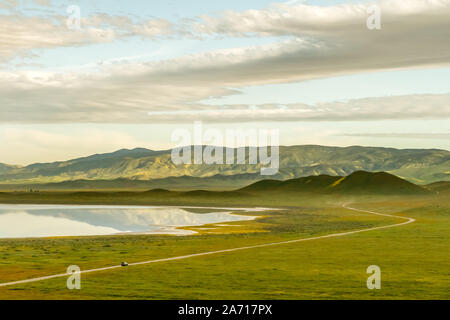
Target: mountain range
point(146, 168)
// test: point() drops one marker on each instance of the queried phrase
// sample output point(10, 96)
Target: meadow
point(413, 258)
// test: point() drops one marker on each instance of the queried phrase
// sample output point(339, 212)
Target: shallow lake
point(23, 221)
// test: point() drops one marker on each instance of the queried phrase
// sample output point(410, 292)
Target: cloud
point(44, 3)
point(142, 93)
point(322, 42)
point(170, 91)
point(381, 108)
point(338, 21)
point(432, 136)
point(9, 4)
point(336, 39)
point(21, 35)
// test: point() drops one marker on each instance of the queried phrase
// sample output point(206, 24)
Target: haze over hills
point(183, 183)
point(358, 184)
point(420, 166)
point(5, 168)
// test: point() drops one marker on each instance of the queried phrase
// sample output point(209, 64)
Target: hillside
point(359, 182)
point(269, 193)
point(5, 168)
point(415, 165)
point(376, 183)
point(183, 183)
point(441, 186)
point(307, 184)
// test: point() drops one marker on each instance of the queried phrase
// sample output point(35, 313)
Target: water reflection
point(19, 221)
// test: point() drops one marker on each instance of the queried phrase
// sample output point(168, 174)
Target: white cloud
point(22, 34)
point(338, 21)
point(44, 3)
point(324, 42)
point(381, 108)
point(418, 135)
point(142, 93)
point(9, 4)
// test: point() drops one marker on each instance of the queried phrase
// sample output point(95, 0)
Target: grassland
point(413, 258)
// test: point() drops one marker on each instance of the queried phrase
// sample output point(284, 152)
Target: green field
point(413, 258)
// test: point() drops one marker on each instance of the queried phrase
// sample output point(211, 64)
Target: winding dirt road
point(334, 235)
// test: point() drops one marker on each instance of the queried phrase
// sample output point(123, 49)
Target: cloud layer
point(318, 42)
point(410, 107)
point(22, 34)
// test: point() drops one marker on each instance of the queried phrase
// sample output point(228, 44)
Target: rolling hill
point(415, 165)
point(359, 182)
point(441, 186)
point(270, 192)
point(305, 184)
point(183, 183)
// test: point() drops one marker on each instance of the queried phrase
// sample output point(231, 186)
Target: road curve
point(334, 235)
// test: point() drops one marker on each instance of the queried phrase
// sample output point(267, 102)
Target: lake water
point(23, 221)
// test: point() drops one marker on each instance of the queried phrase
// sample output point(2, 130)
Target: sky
point(321, 72)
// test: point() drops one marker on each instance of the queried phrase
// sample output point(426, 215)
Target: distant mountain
point(357, 183)
point(415, 165)
point(5, 168)
point(441, 186)
point(184, 183)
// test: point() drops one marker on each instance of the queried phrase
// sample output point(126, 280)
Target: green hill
point(360, 182)
point(264, 185)
point(306, 184)
point(376, 183)
point(311, 184)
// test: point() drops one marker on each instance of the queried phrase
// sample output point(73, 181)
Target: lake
point(29, 221)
